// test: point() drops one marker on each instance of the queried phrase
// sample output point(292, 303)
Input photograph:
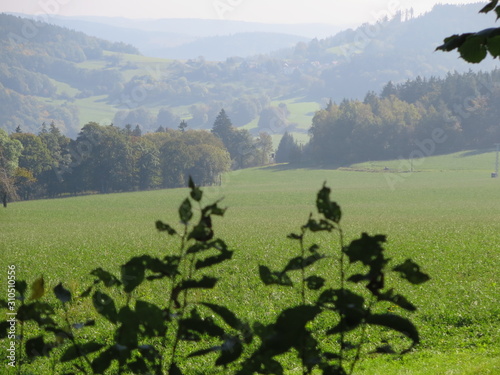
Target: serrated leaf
point(62, 294)
point(74, 351)
point(473, 49)
point(185, 211)
point(37, 288)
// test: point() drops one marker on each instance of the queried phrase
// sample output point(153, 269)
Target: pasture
point(445, 218)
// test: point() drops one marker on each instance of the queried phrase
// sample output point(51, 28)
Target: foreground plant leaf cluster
point(325, 328)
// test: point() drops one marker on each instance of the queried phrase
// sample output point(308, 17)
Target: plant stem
point(73, 341)
point(342, 287)
point(362, 339)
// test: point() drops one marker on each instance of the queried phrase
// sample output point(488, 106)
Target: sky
point(337, 12)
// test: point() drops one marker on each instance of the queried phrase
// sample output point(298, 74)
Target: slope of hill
point(65, 76)
point(216, 40)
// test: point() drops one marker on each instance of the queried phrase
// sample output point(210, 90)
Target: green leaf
point(331, 210)
point(105, 306)
point(489, 7)
point(473, 49)
point(494, 46)
point(163, 227)
point(196, 192)
point(396, 323)
point(62, 294)
point(132, 273)
point(269, 277)
point(107, 278)
point(410, 271)
point(315, 282)
point(75, 351)
point(36, 347)
point(185, 211)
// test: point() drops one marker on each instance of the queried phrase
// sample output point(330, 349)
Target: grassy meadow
point(444, 217)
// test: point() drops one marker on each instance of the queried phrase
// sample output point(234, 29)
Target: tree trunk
point(4, 200)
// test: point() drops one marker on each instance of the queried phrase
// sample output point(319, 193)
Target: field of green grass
point(445, 217)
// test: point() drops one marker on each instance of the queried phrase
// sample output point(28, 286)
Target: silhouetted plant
point(354, 311)
point(146, 336)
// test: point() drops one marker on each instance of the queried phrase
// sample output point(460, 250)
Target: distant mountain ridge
point(191, 38)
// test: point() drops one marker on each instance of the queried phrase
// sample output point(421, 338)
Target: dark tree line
point(108, 158)
point(463, 108)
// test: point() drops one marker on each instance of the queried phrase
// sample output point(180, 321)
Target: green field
point(445, 216)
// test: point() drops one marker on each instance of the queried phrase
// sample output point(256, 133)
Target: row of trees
point(463, 108)
point(110, 159)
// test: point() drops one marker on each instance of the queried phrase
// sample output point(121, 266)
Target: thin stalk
point(73, 341)
point(303, 296)
point(362, 339)
point(342, 287)
point(170, 302)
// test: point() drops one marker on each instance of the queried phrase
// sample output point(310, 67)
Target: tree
point(288, 150)
point(474, 47)
point(183, 125)
point(10, 151)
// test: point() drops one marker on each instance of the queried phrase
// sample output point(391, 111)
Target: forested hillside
point(410, 120)
point(49, 73)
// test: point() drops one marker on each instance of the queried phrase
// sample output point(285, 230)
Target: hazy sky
point(339, 12)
